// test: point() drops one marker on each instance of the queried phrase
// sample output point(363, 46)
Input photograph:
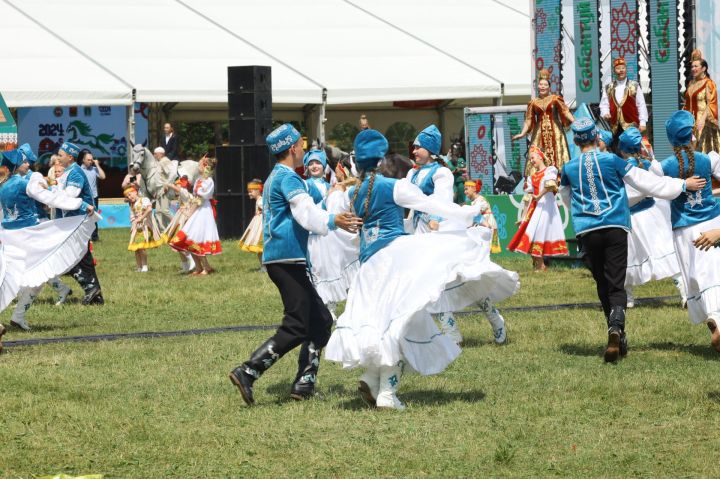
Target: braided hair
point(366, 203)
point(681, 160)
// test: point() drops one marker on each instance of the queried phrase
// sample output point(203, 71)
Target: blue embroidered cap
point(71, 149)
point(605, 136)
point(317, 155)
point(679, 127)
point(27, 153)
point(370, 147)
point(430, 139)
point(12, 159)
point(584, 129)
point(282, 138)
point(631, 140)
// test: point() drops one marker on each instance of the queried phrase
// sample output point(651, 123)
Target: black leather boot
point(617, 342)
point(308, 363)
point(245, 375)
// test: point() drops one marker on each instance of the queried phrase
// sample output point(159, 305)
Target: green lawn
point(545, 405)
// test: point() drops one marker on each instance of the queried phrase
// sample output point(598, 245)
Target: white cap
point(159, 149)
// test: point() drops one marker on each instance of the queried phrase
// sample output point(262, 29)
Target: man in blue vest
point(593, 188)
point(289, 212)
point(76, 185)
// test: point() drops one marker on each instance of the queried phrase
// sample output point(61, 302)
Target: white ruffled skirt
point(33, 255)
point(651, 251)
point(335, 263)
point(700, 271)
point(388, 318)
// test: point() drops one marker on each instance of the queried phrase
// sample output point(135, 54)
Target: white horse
point(157, 176)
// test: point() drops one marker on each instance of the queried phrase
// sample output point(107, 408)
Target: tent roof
point(179, 50)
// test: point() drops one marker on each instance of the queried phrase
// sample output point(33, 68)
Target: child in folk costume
point(199, 235)
point(487, 219)
point(251, 240)
point(593, 186)
point(472, 193)
point(144, 232)
point(333, 257)
point(387, 321)
point(186, 208)
point(692, 214)
point(541, 231)
point(651, 252)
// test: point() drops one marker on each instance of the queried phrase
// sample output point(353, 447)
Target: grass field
point(545, 405)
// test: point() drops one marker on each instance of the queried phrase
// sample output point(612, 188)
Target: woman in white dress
point(540, 232)
point(692, 214)
point(199, 235)
point(387, 322)
point(252, 239)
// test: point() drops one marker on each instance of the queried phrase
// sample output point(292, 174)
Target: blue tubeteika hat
point(584, 129)
point(27, 153)
point(430, 139)
point(282, 138)
point(605, 136)
point(71, 149)
point(12, 159)
point(679, 127)
point(370, 147)
point(316, 155)
point(631, 140)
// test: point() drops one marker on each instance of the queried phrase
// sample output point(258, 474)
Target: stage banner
point(665, 70)
point(624, 34)
point(479, 148)
point(547, 24)
point(516, 154)
point(588, 81)
point(100, 129)
point(508, 210)
point(8, 128)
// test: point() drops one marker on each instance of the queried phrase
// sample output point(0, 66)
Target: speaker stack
point(247, 156)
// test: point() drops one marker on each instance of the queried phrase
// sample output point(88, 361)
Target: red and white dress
point(199, 235)
point(541, 232)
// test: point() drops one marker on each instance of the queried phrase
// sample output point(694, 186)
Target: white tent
point(41, 70)
point(179, 50)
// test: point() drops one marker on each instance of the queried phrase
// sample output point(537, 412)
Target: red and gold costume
point(541, 231)
point(630, 109)
point(546, 118)
point(701, 100)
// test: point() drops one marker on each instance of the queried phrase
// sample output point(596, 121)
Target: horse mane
point(395, 165)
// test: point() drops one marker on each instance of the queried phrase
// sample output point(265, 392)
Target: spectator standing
point(94, 172)
point(170, 142)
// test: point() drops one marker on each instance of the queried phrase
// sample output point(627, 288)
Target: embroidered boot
point(369, 385)
point(680, 285)
point(617, 342)
point(63, 291)
point(308, 363)
point(25, 300)
point(245, 375)
point(496, 321)
point(448, 326)
point(389, 382)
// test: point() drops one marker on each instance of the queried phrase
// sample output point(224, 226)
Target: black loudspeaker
point(250, 105)
point(236, 166)
point(249, 131)
point(249, 78)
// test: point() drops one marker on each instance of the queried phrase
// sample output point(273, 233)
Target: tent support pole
point(440, 109)
point(131, 126)
point(322, 120)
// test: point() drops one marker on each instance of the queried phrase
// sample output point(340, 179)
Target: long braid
point(691, 157)
point(357, 191)
point(681, 161)
point(366, 205)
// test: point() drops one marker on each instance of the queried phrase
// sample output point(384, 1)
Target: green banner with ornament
point(8, 128)
point(507, 210)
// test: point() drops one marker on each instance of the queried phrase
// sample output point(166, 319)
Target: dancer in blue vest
point(36, 251)
point(289, 212)
point(334, 257)
point(593, 185)
point(692, 214)
point(651, 252)
point(387, 321)
point(75, 184)
point(36, 188)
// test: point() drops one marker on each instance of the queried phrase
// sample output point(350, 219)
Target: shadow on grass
point(700, 350)
point(714, 396)
point(423, 397)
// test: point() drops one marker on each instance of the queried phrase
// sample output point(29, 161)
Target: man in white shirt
point(623, 103)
